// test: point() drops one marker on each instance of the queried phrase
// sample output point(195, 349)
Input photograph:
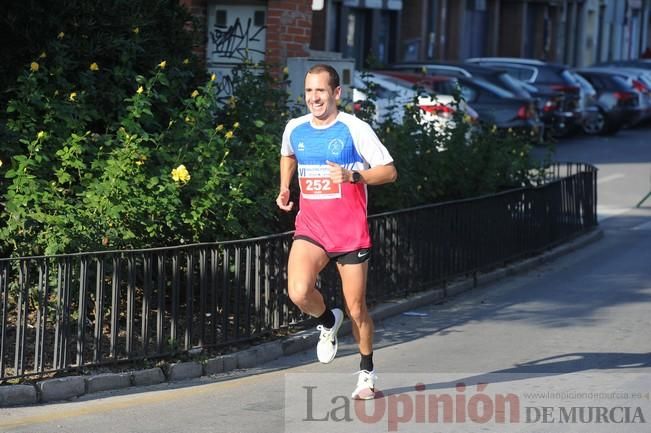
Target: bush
point(160, 174)
point(109, 143)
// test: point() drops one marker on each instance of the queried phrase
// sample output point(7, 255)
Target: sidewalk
point(71, 387)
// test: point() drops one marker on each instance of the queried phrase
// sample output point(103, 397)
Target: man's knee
point(299, 293)
point(358, 312)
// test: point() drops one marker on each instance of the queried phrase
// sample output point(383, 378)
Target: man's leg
point(306, 260)
point(353, 280)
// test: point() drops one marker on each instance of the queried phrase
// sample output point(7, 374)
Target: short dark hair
point(332, 72)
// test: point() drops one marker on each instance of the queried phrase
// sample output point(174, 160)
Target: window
point(468, 93)
point(220, 18)
point(495, 90)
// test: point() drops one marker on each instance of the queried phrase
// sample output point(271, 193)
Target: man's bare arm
point(377, 175)
point(287, 169)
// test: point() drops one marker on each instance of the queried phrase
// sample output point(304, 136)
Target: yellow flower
point(136, 30)
point(286, 70)
point(94, 67)
point(34, 67)
point(0, 163)
point(213, 77)
point(40, 135)
point(186, 61)
point(43, 55)
point(139, 163)
point(229, 135)
point(60, 35)
point(195, 94)
point(162, 64)
point(219, 128)
point(180, 174)
point(140, 90)
point(236, 125)
point(73, 97)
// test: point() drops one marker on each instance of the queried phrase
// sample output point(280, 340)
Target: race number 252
point(319, 187)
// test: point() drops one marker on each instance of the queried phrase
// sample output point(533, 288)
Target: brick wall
point(198, 9)
point(289, 30)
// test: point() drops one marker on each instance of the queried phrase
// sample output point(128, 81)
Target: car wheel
point(611, 127)
point(595, 124)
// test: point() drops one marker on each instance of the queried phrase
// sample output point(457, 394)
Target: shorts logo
point(335, 146)
point(362, 254)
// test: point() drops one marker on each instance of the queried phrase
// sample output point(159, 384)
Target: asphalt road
point(575, 332)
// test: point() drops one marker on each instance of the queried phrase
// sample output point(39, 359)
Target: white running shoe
point(365, 386)
point(327, 347)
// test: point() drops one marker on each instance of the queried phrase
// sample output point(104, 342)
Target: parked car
point(392, 94)
point(632, 63)
point(617, 99)
point(548, 103)
point(593, 120)
point(495, 105)
point(641, 81)
point(545, 76)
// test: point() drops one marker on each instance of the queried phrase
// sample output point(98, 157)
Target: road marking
point(643, 226)
point(609, 178)
point(111, 403)
point(605, 212)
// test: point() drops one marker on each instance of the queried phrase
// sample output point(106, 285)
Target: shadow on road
point(550, 366)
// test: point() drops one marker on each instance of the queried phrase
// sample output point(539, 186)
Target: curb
point(67, 388)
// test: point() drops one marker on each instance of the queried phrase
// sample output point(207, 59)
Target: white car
point(393, 95)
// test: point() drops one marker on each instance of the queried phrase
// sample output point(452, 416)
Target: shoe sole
point(370, 397)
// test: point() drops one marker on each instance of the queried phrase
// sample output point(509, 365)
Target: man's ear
point(338, 93)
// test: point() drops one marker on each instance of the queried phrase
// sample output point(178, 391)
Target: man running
point(336, 155)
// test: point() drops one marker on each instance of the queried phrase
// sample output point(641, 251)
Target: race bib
point(316, 184)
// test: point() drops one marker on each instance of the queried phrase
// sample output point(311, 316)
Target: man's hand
point(338, 174)
point(283, 200)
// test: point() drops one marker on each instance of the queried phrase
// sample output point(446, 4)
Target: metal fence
point(75, 310)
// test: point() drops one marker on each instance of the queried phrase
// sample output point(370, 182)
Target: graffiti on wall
point(237, 33)
point(237, 41)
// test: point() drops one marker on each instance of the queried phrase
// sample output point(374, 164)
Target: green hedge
point(113, 137)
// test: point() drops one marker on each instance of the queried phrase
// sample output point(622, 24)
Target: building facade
point(379, 32)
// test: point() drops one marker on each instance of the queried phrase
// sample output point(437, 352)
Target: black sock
point(367, 362)
point(327, 319)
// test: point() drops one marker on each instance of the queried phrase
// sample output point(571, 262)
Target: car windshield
point(384, 87)
point(585, 84)
point(623, 80)
point(570, 78)
point(499, 91)
point(519, 85)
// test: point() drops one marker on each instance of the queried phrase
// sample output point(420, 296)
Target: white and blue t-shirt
point(334, 215)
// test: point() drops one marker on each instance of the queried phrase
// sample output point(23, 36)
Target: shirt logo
point(335, 146)
point(301, 146)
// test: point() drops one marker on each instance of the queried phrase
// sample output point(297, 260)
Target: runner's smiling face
point(320, 98)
